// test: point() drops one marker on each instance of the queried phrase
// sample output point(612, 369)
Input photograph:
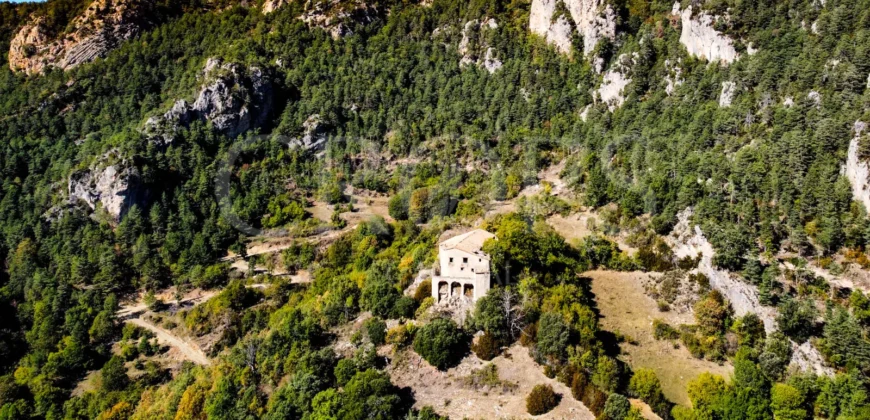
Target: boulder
point(234, 99)
point(101, 28)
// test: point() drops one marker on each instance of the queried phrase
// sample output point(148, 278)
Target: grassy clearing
point(626, 309)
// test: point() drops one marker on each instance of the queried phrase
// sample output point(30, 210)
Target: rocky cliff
point(115, 187)
point(337, 16)
point(611, 91)
point(474, 47)
point(103, 27)
point(232, 98)
point(857, 169)
point(689, 241)
point(701, 39)
point(557, 20)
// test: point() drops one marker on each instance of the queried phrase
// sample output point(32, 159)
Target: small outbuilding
point(464, 267)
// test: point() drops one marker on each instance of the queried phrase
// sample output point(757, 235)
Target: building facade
point(464, 267)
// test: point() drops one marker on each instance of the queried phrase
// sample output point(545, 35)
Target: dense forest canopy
point(402, 114)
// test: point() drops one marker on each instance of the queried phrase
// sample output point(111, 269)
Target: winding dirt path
point(190, 350)
point(132, 314)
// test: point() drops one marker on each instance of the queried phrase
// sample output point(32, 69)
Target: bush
point(616, 407)
point(424, 306)
point(441, 343)
point(398, 206)
point(376, 329)
point(541, 400)
point(486, 347)
point(424, 290)
point(578, 385)
point(401, 335)
point(594, 399)
point(529, 335)
point(114, 374)
point(404, 308)
point(664, 331)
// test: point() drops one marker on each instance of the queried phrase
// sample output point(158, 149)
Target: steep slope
point(558, 20)
point(104, 25)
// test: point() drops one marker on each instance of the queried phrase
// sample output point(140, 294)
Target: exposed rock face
point(594, 20)
point(313, 134)
point(858, 170)
point(807, 358)
point(674, 77)
point(336, 16)
point(816, 97)
point(474, 40)
point(102, 28)
point(689, 241)
point(615, 81)
point(233, 99)
point(701, 39)
point(115, 187)
point(270, 6)
point(727, 94)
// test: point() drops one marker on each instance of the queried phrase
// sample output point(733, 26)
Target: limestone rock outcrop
point(701, 39)
point(233, 98)
point(270, 6)
point(101, 28)
point(673, 77)
point(614, 82)
point(556, 21)
point(338, 16)
point(688, 240)
point(474, 48)
point(115, 187)
point(726, 96)
point(857, 169)
point(313, 134)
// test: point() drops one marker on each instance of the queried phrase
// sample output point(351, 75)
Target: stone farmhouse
point(464, 267)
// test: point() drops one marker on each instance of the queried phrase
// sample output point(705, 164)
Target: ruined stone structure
point(464, 267)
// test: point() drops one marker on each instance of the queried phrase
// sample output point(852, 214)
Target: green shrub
point(424, 290)
point(486, 347)
point(664, 331)
point(404, 308)
point(541, 400)
point(401, 335)
point(376, 329)
point(441, 343)
point(398, 206)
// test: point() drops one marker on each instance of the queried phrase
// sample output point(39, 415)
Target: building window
point(464, 260)
point(461, 268)
point(451, 259)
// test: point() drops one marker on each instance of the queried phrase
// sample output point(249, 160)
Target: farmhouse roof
point(469, 242)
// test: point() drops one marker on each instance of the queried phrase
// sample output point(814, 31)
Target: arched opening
point(455, 289)
point(469, 290)
point(443, 291)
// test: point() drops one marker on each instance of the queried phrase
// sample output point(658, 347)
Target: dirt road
point(191, 351)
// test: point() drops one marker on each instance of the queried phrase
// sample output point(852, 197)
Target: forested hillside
point(751, 115)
